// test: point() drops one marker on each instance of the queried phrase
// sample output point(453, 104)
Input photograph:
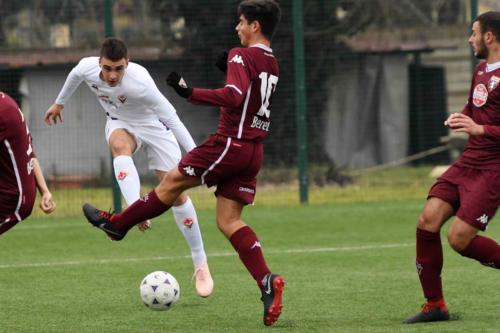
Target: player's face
point(112, 71)
point(476, 41)
point(245, 30)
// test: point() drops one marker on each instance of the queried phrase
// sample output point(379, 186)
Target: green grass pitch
point(348, 268)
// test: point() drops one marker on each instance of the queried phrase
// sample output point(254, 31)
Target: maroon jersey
point(483, 106)
point(17, 178)
point(245, 100)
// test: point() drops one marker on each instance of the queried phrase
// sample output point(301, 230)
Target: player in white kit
point(138, 115)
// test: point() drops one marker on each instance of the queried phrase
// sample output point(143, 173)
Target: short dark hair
point(114, 49)
point(267, 12)
point(490, 22)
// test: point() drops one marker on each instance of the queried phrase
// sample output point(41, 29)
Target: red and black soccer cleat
point(271, 297)
point(431, 311)
point(102, 220)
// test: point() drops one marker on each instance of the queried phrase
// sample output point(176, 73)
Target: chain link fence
point(381, 76)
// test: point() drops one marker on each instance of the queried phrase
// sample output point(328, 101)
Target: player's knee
point(427, 222)
point(120, 147)
point(458, 239)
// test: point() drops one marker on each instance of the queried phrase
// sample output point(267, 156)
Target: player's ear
point(100, 58)
point(126, 62)
point(255, 26)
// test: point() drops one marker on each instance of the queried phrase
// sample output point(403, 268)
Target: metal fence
point(379, 77)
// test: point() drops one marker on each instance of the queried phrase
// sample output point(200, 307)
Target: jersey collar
point(492, 67)
point(262, 46)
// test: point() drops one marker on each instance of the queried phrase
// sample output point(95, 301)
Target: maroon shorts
point(229, 163)
point(10, 213)
point(473, 193)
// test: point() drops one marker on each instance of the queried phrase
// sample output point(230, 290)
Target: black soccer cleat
point(429, 313)
point(102, 220)
point(271, 297)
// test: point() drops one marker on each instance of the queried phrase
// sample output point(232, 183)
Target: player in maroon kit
point(20, 172)
point(470, 189)
point(230, 158)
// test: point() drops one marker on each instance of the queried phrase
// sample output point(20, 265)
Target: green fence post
point(473, 14)
point(108, 32)
point(300, 98)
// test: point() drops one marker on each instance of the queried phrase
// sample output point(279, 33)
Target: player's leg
point(246, 243)
point(149, 206)
point(463, 238)
point(186, 220)
point(123, 145)
point(429, 261)
point(479, 207)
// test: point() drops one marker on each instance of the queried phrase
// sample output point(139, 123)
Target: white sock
point(187, 222)
point(127, 178)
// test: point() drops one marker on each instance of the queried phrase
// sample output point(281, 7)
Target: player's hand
point(461, 123)
point(145, 225)
point(53, 114)
point(47, 204)
point(221, 62)
point(177, 82)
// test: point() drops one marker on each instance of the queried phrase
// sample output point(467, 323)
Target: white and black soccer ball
point(159, 290)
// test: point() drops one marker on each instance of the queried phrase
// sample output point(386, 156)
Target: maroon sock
point(429, 264)
point(483, 249)
point(147, 207)
point(245, 242)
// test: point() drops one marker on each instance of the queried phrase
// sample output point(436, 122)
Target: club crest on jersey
point(122, 98)
point(480, 95)
point(237, 59)
point(493, 82)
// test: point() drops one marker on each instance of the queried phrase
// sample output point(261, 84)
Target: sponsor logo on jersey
point(480, 73)
point(246, 189)
point(237, 59)
point(188, 223)
point(122, 98)
point(189, 170)
point(493, 82)
point(480, 95)
point(122, 175)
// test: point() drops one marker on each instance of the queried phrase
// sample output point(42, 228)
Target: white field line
point(210, 255)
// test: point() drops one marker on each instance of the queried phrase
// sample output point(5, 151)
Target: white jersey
point(135, 100)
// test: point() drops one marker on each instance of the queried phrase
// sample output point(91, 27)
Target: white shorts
point(160, 144)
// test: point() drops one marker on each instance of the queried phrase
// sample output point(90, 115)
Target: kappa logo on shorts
point(188, 223)
point(122, 98)
point(483, 219)
point(189, 170)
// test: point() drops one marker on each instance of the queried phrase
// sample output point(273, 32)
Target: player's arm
point(232, 95)
point(74, 79)
point(167, 114)
point(47, 204)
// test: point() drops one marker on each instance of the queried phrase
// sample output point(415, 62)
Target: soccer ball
point(159, 290)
